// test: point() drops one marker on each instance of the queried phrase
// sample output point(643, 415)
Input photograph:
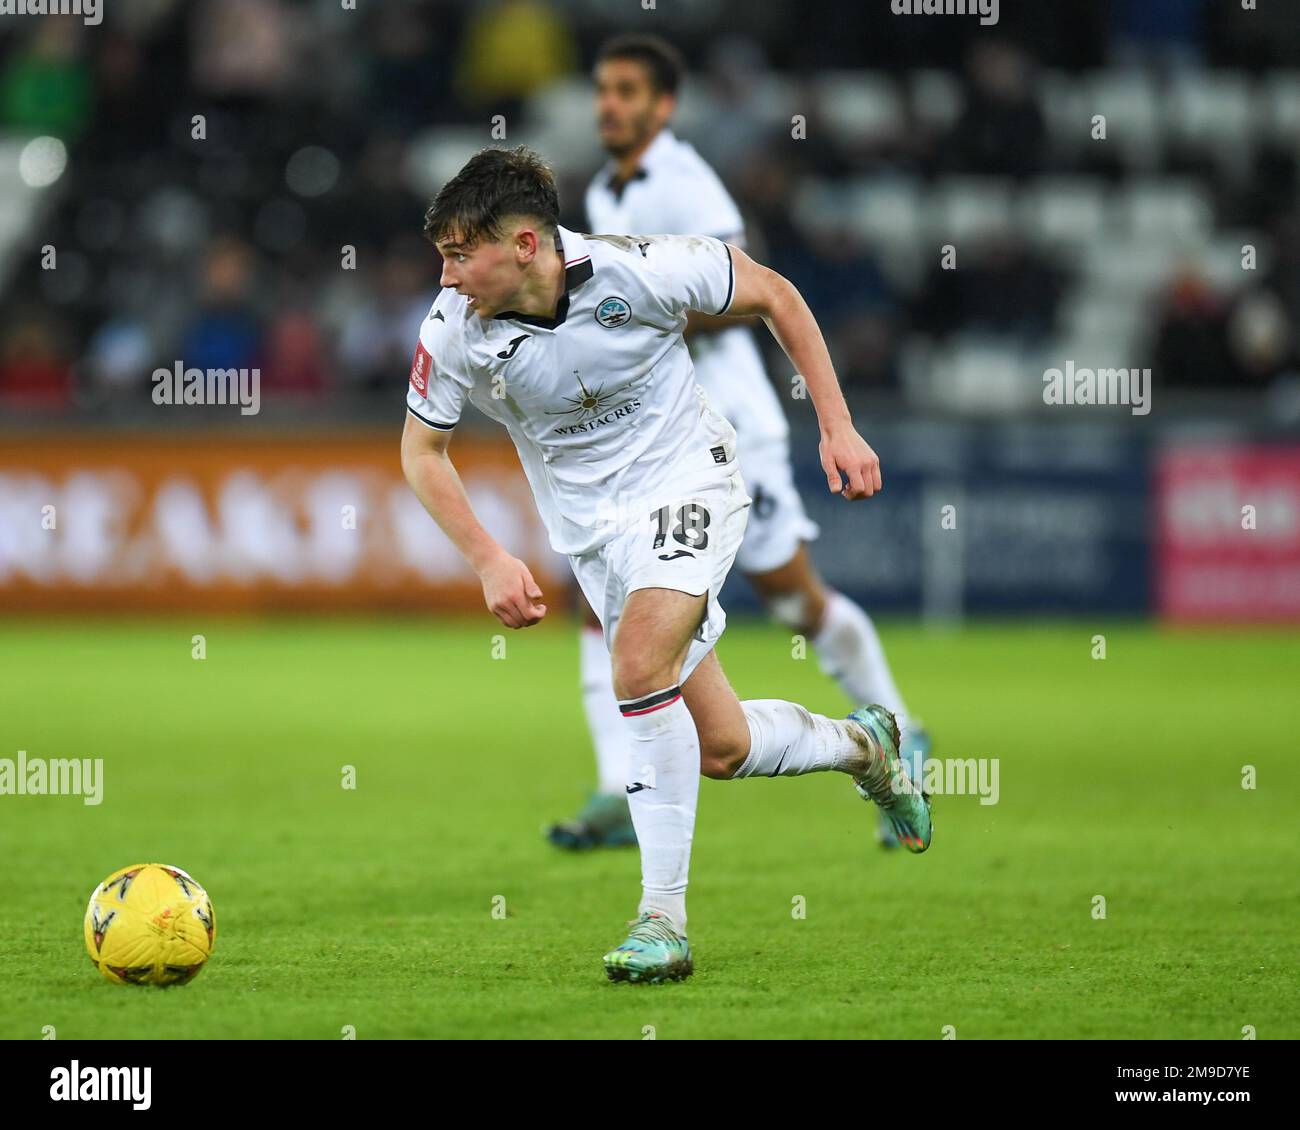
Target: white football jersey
point(674, 190)
point(601, 400)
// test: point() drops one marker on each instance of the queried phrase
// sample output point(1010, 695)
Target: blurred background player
point(655, 183)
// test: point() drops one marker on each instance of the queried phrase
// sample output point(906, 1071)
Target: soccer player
point(575, 345)
point(656, 183)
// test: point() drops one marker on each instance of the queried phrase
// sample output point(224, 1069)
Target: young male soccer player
point(656, 183)
point(575, 345)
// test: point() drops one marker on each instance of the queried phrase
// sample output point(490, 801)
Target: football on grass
point(150, 924)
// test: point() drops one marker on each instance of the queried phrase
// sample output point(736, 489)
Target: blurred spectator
point(226, 332)
point(410, 69)
point(512, 48)
point(244, 48)
point(33, 368)
point(866, 351)
point(1261, 338)
point(380, 332)
point(1002, 289)
point(1190, 348)
point(1001, 130)
point(45, 87)
point(294, 361)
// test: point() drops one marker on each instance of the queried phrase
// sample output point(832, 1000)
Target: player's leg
point(776, 560)
point(653, 634)
point(848, 649)
point(776, 738)
point(604, 820)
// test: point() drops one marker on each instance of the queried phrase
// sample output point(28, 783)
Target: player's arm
point(508, 587)
point(761, 291)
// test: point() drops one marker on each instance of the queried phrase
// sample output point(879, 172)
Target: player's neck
point(626, 164)
point(540, 292)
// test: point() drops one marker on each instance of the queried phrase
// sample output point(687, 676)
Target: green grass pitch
point(373, 907)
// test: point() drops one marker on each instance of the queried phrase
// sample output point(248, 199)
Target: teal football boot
point(905, 807)
point(603, 822)
point(914, 751)
point(653, 952)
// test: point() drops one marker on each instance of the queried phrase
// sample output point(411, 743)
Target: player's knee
point(638, 675)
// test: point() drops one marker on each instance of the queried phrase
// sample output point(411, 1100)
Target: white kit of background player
point(675, 190)
point(636, 480)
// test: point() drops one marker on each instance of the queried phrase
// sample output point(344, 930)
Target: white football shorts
point(688, 544)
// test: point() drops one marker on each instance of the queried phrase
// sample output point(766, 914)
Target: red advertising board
point(1228, 533)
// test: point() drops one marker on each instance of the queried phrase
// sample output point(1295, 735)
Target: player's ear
point(527, 242)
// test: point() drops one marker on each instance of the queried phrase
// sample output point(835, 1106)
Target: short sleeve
point(695, 272)
point(438, 386)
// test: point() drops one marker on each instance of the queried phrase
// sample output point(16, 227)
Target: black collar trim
point(617, 187)
point(575, 274)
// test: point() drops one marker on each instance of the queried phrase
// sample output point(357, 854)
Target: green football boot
point(603, 822)
point(905, 807)
point(653, 952)
point(913, 752)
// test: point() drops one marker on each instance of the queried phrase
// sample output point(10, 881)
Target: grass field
point(372, 907)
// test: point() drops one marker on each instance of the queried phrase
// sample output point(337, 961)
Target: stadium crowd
point(224, 244)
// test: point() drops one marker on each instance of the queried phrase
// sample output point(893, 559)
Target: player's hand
point(844, 451)
point(512, 595)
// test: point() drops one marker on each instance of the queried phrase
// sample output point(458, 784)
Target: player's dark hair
point(660, 58)
point(493, 184)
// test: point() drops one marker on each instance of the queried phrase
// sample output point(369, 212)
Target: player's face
point(628, 110)
point(487, 272)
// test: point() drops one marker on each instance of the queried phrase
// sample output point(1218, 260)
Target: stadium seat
point(1064, 212)
point(1065, 110)
point(821, 206)
point(1100, 315)
point(969, 208)
point(438, 154)
point(936, 98)
point(981, 377)
point(1280, 106)
point(1128, 101)
point(860, 107)
point(560, 121)
point(774, 101)
point(1213, 113)
point(1172, 210)
point(1220, 260)
point(1130, 269)
point(886, 211)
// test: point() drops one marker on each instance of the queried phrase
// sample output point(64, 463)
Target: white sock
point(665, 763)
point(849, 651)
point(786, 740)
point(608, 731)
